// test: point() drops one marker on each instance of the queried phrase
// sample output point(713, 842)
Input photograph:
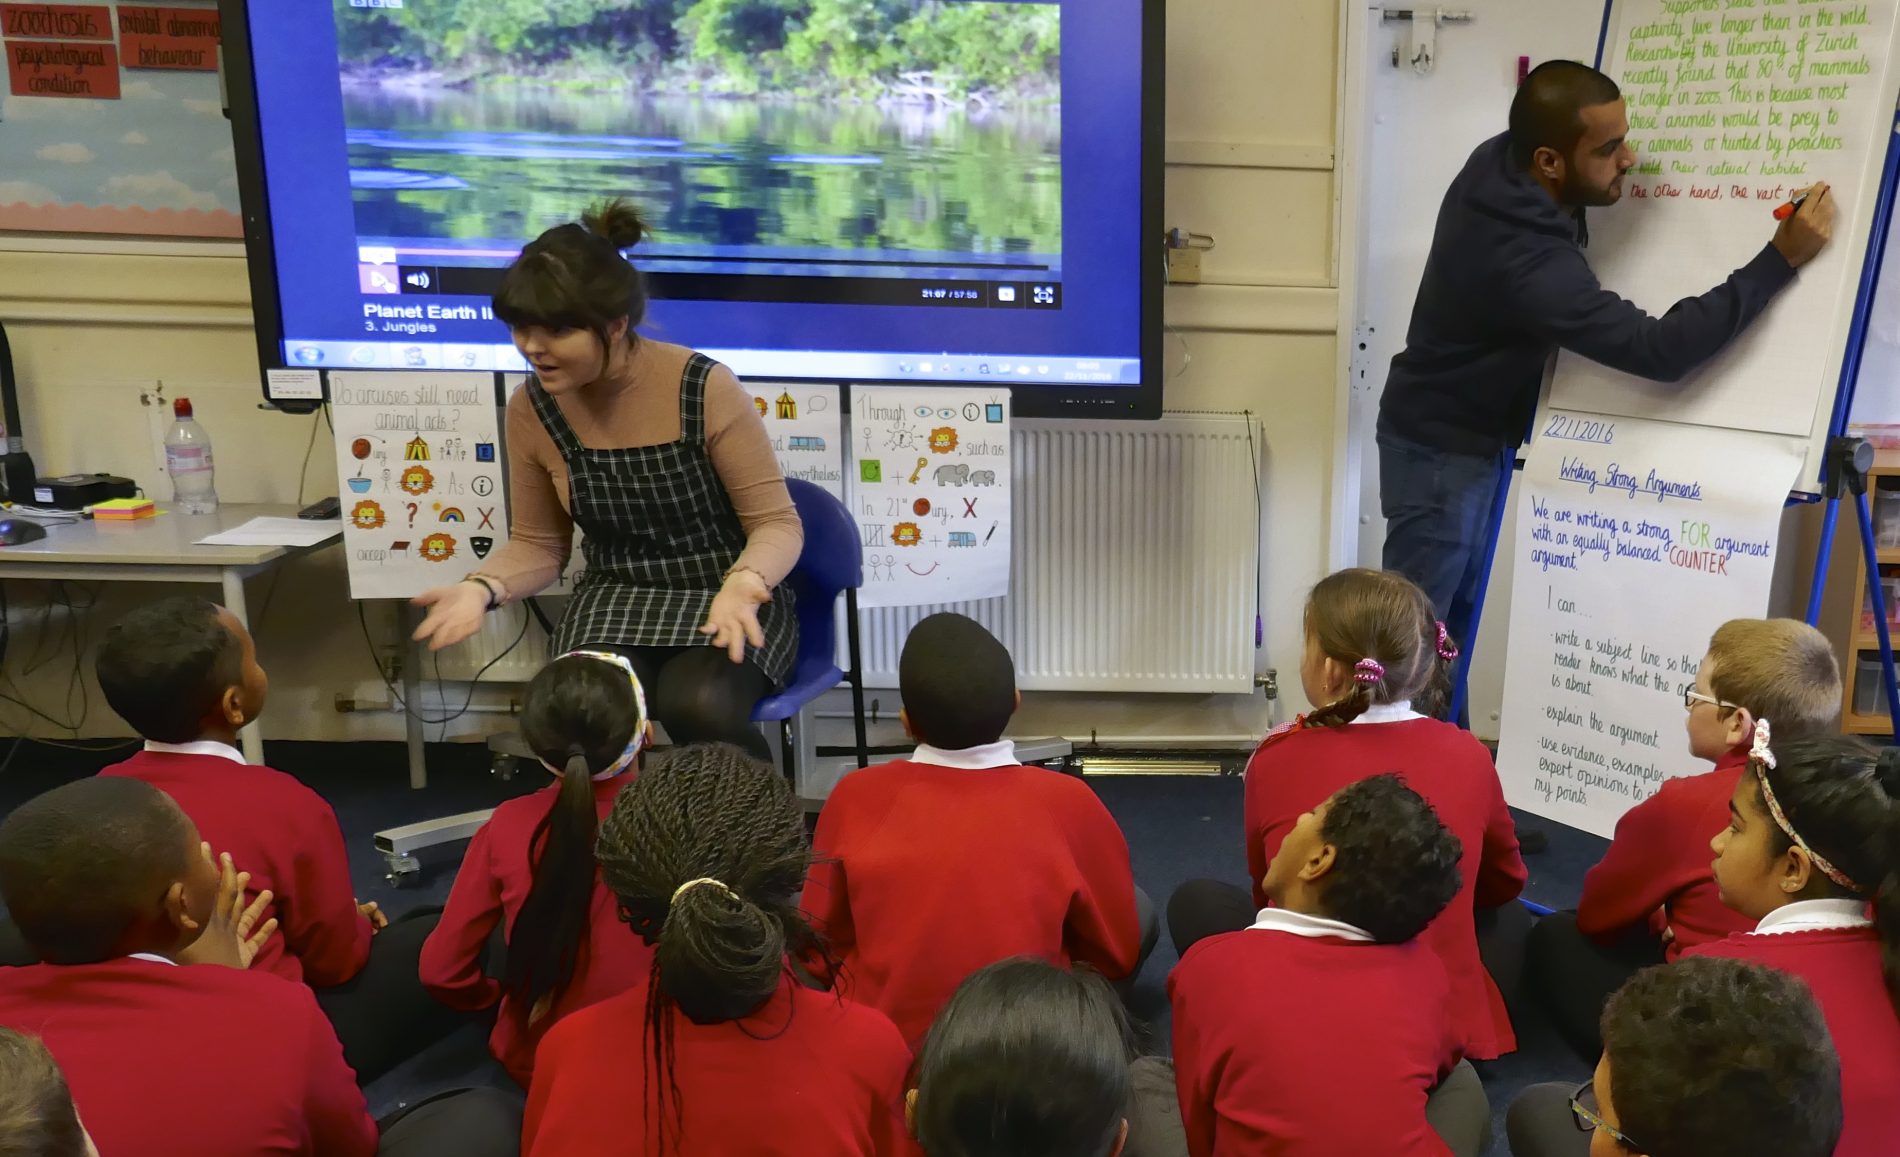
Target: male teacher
point(1506, 285)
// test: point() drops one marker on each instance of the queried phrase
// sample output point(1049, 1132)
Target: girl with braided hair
point(1812, 851)
point(1373, 646)
point(721, 1048)
point(530, 869)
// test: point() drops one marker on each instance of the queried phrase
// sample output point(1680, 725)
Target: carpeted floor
point(1178, 827)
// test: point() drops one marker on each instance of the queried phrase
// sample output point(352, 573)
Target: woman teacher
point(660, 457)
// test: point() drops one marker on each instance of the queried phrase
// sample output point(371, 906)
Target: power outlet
point(1184, 266)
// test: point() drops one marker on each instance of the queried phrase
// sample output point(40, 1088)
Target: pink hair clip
point(1447, 650)
point(1368, 671)
point(1759, 750)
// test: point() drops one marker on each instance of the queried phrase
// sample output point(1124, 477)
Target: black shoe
point(1531, 841)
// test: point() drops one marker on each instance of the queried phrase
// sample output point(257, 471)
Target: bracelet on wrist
point(753, 571)
point(494, 591)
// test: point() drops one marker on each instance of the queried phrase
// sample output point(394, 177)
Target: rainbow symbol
point(452, 514)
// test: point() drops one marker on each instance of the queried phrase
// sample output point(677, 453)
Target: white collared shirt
point(1815, 916)
point(152, 958)
point(1301, 924)
point(197, 747)
point(1388, 713)
point(999, 754)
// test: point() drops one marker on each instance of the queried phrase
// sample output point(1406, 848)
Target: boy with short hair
point(929, 868)
point(1653, 894)
point(145, 999)
point(184, 673)
point(1333, 964)
point(1706, 1057)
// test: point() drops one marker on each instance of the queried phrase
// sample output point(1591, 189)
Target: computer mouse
point(16, 531)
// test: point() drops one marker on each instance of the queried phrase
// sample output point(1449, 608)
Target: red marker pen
point(1788, 210)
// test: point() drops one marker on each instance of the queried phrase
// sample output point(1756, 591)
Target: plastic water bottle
point(188, 461)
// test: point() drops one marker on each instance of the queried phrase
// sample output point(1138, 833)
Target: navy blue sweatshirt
point(1506, 285)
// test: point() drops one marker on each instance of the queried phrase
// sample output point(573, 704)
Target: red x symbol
point(488, 518)
point(969, 508)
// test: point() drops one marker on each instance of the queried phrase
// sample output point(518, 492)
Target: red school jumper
point(1295, 771)
point(170, 1060)
point(1842, 967)
point(1295, 1046)
point(282, 833)
point(922, 874)
point(489, 889)
point(1657, 871)
point(809, 1073)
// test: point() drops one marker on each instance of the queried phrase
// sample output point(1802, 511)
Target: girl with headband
point(1812, 852)
point(1373, 648)
point(721, 1048)
point(531, 870)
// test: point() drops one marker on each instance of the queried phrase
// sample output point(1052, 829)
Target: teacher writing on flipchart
point(1506, 285)
point(658, 455)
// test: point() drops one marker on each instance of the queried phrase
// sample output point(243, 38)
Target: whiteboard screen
point(1734, 105)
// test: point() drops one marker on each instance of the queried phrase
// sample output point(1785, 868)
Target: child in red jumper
point(931, 867)
point(721, 1049)
point(145, 990)
point(531, 867)
point(1372, 646)
point(37, 1118)
point(184, 673)
point(1324, 1027)
point(1706, 1058)
point(1652, 896)
point(1813, 838)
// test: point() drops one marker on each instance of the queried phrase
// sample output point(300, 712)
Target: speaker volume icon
point(418, 279)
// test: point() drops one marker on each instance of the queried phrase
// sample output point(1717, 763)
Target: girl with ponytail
point(1373, 647)
point(531, 871)
point(721, 1049)
point(1812, 852)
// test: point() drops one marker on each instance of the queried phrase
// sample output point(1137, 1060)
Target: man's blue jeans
point(1437, 507)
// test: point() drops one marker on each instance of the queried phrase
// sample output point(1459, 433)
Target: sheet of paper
point(1733, 109)
point(806, 426)
point(931, 490)
point(1635, 541)
point(276, 532)
point(419, 469)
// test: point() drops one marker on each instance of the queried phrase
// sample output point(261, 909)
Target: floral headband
point(639, 738)
point(1762, 758)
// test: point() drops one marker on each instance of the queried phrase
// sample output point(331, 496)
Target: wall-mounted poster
point(113, 122)
point(420, 477)
point(930, 488)
point(807, 431)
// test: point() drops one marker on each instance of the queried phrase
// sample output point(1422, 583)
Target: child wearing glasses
point(1653, 895)
point(1705, 1058)
point(1812, 852)
point(1324, 1028)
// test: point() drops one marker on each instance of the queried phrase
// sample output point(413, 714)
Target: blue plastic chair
point(831, 564)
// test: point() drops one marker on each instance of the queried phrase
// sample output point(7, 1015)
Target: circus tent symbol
point(787, 407)
point(416, 451)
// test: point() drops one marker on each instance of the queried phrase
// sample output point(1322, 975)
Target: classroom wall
point(1250, 161)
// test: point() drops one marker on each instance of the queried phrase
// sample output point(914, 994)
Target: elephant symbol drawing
point(983, 478)
point(954, 475)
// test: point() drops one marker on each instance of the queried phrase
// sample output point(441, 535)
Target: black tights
point(700, 695)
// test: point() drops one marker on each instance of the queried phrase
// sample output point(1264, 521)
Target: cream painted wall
point(1252, 138)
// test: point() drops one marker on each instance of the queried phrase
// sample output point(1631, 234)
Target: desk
point(158, 550)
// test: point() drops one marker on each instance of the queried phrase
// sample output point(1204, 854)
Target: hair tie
point(719, 884)
point(1763, 761)
point(1759, 750)
point(1447, 650)
point(1368, 671)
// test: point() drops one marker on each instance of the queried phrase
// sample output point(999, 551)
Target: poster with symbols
point(419, 474)
point(807, 430)
point(930, 489)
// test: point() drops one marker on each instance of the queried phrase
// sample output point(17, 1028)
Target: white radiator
point(1135, 566)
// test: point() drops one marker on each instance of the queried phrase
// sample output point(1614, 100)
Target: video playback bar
point(482, 281)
